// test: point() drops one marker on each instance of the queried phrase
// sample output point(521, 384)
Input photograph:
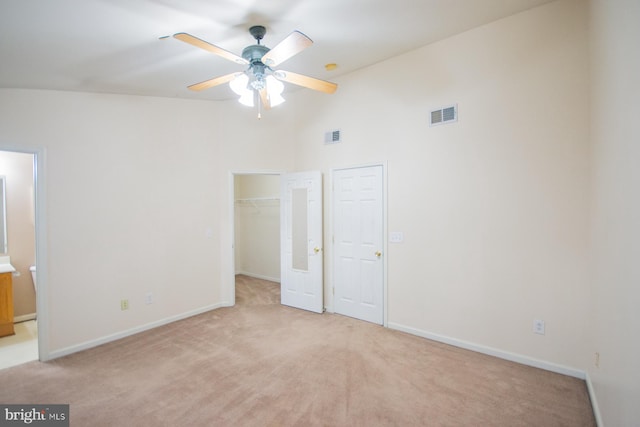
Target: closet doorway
point(257, 225)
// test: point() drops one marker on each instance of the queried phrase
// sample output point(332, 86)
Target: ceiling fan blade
point(264, 99)
point(213, 82)
point(306, 81)
point(293, 44)
point(188, 38)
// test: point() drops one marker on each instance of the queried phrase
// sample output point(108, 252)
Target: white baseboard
point(113, 337)
point(594, 401)
point(24, 318)
point(259, 276)
point(518, 358)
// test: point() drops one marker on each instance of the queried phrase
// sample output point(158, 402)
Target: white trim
point(594, 401)
point(385, 248)
point(513, 357)
point(259, 276)
point(24, 318)
point(42, 263)
point(3, 210)
point(230, 282)
point(385, 245)
point(119, 335)
point(327, 223)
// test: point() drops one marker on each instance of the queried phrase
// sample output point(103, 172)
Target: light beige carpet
point(263, 364)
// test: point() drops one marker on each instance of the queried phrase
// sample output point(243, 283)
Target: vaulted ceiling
point(120, 46)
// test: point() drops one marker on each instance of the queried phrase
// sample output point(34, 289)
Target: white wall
point(137, 201)
point(615, 88)
point(494, 208)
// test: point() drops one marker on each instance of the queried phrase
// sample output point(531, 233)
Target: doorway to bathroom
point(18, 248)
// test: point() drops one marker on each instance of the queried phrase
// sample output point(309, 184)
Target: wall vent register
point(332, 137)
point(444, 115)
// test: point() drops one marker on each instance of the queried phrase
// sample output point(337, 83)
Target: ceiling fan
point(260, 81)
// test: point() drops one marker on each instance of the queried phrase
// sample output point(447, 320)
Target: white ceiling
point(115, 46)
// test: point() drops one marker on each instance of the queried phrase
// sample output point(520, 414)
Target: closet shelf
point(258, 199)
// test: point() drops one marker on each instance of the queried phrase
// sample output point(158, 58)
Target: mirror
point(300, 246)
point(3, 217)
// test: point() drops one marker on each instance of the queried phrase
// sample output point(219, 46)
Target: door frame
point(40, 201)
point(385, 241)
point(231, 276)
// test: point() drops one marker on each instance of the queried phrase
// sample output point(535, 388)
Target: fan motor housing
point(254, 55)
point(254, 52)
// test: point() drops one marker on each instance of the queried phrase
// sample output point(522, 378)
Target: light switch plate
point(538, 326)
point(396, 237)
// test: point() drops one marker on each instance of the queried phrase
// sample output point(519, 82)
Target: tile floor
point(21, 347)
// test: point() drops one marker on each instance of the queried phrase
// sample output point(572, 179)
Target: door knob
point(378, 254)
point(316, 249)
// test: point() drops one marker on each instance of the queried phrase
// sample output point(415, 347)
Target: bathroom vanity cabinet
point(6, 305)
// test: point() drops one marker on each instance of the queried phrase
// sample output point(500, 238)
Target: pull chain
point(259, 106)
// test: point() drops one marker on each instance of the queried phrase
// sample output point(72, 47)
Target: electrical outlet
point(538, 326)
point(124, 304)
point(596, 359)
point(148, 299)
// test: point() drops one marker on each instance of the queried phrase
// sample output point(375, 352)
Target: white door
point(301, 240)
point(358, 243)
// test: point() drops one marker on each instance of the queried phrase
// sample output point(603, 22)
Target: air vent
point(444, 115)
point(332, 137)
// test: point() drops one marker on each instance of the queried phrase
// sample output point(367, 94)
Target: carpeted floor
point(263, 364)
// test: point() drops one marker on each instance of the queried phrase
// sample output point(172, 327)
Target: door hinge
point(333, 290)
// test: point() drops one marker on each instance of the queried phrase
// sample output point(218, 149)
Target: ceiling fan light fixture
point(259, 83)
point(239, 86)
point(246, 98)
point(274, 89)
